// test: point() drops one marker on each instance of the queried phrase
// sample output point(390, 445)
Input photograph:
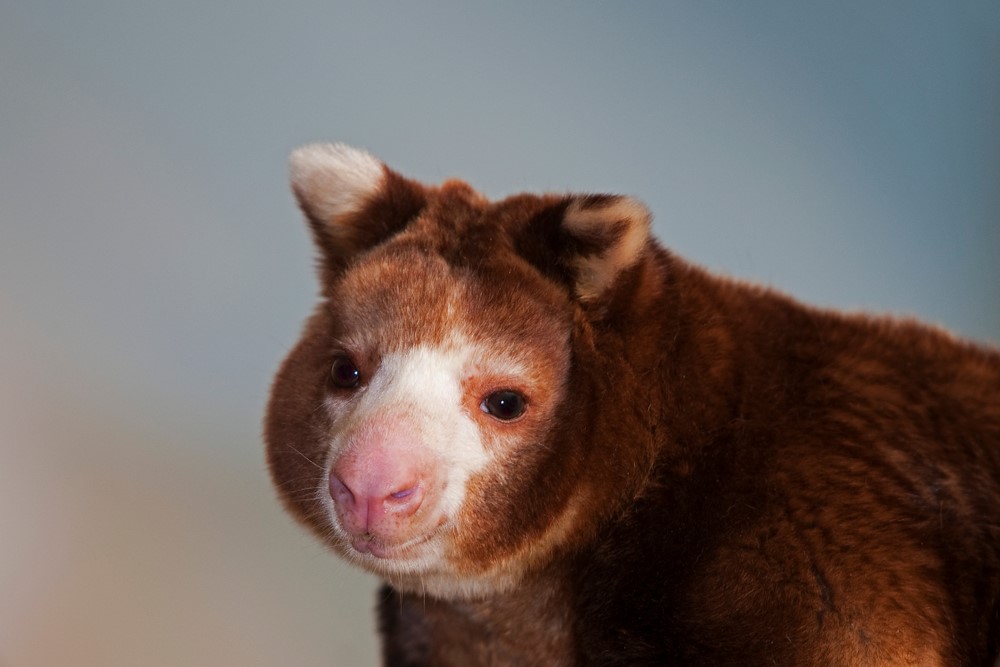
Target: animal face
point(431, 423)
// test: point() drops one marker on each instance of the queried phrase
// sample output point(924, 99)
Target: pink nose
point(369, 510)
point(375, 496)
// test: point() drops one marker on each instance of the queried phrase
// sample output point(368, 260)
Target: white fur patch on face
point(331, 180)
point(595, 273)
point(425, 383)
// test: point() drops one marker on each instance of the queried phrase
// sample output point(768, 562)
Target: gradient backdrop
point(154, 270)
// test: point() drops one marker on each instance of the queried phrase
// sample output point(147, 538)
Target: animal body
point(561, 444)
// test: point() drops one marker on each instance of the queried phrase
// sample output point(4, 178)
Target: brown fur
point(710, 472)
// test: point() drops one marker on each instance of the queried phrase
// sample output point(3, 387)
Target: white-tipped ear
point(615, 229)
point(331, 180)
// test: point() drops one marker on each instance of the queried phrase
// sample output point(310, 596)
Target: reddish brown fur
point(751, 481)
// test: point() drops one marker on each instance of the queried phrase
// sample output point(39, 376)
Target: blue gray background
point(154, 270)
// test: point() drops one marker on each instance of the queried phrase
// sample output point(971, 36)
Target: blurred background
point(154, 269)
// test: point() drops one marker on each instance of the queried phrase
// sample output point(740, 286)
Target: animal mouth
point(378, 548)
point(366, 544)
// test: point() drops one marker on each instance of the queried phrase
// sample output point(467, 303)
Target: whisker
point(304, 456)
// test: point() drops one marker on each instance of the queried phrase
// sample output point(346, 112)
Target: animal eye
point(344, 374)
point(505, 405)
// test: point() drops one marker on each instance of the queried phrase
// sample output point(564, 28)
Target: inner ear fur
point(350, 199)
point(609, 234)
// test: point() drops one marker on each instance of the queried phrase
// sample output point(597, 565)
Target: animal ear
point(351, 200)
point(604, 235)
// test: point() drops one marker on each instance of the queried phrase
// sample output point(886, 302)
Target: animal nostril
point(405, 493)
point(405, 502)
point(339, 491)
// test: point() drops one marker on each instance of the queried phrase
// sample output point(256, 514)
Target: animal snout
point(367, 504)
point(379, 485)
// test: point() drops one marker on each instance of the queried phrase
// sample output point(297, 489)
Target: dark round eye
point(505, 405)
point(344, 374)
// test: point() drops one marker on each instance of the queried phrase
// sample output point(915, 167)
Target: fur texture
point(560, 444)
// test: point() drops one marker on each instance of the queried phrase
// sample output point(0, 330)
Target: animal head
point(454, 412)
